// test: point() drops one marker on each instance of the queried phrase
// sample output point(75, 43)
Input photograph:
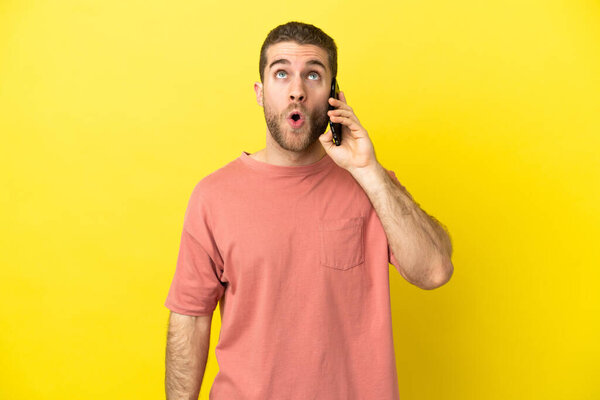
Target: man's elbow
point(441, 276)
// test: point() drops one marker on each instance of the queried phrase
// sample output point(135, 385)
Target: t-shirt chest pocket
point(342, 242)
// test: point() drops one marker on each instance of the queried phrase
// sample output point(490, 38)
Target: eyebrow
point(309, 62)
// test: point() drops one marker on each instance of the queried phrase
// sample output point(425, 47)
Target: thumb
point(327, 137)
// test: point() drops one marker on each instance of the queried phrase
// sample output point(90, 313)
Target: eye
point(314, 74)
point(279, 72)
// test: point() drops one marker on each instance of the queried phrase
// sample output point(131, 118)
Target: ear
point(258, 88)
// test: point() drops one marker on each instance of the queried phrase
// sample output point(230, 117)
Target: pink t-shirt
point(299, 261)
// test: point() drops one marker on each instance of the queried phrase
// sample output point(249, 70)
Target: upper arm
point(189, 323)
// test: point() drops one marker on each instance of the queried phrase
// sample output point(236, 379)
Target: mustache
point(296, 107)
point(304, 111)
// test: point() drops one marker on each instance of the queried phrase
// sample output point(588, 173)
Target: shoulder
point(218, 181)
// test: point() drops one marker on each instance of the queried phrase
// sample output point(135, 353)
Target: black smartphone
point(336, 129)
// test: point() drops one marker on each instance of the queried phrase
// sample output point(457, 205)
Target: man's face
point(296, 78)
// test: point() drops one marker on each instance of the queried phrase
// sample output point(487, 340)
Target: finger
point(326, 139)
point(339, 104)
point(326, 136)
point(353, 125)
point(342, 113)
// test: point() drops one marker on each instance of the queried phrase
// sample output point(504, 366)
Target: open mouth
point(295, 119)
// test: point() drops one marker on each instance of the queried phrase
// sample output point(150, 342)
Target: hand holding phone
point(336, 129)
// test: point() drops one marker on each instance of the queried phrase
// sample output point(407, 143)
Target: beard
point(296, 140)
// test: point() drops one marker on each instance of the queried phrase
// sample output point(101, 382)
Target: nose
point(297, 92)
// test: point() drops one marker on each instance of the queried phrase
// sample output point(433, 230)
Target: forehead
point(296, 52)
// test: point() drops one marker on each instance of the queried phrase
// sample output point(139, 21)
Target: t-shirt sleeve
point(196, 286)
point(391, 258)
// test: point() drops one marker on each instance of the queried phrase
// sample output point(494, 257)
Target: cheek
point(323, 105)
point(272, 105)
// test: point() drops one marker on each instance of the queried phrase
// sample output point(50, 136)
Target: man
point(294, 241)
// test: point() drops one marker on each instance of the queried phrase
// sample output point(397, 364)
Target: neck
point(275, 155)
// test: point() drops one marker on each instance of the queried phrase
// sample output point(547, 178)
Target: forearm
point(418, 241)
point(188, 343)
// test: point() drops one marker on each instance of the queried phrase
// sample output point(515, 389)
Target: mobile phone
point(336, 129)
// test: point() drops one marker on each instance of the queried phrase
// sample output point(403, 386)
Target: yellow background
point(488, 112)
